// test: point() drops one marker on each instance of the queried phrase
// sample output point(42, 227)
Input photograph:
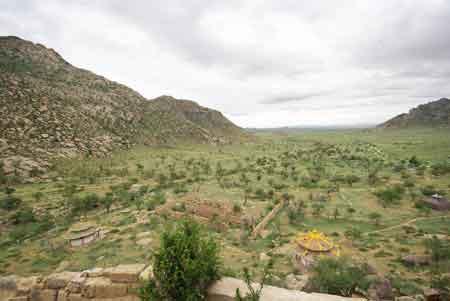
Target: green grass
point(293, 160)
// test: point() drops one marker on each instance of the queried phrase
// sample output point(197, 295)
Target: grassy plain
point(311, 169)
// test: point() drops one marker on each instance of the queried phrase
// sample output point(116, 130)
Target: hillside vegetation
point(50, 108)
point(435, 113)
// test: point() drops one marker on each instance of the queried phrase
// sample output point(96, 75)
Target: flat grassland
point(362, 188)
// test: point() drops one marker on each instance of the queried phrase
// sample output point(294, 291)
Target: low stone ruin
point(121, 283)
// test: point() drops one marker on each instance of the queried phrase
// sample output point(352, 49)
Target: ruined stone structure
point(121, 283)
point(82, 234)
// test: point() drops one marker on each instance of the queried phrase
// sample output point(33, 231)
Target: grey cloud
point(292, 98)
point(319, 54)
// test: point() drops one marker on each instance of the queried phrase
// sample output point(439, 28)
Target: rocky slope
point(51, 109)
point(435, 113)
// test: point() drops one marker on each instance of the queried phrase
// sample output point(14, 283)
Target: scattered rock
point(417, 260)
point(296, 282)
point(381, 289)
point(144, 241)
point(411, 298)
point(147, 273)
point(103, 288)
point(60, 280)
point(143, 234)
point(124, 273)
point(264, 257)
point(95, 272)
point(432, 294)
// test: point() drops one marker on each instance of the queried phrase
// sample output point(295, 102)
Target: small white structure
point(82, 234)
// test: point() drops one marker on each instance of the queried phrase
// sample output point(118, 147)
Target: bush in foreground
point(184, 266)
point(336, 276)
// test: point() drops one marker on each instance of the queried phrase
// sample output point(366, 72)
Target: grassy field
point(333, 181)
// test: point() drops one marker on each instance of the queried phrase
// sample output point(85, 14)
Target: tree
point(184, 266)
point(351, 211)
point(390, 195)
point(10, 202)
point(351, 179)
point(38, 196)
point(336, 276)
point(317, 208)
point(107, 201)
point(336, 213)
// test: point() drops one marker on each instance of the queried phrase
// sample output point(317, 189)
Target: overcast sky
point(262, 63)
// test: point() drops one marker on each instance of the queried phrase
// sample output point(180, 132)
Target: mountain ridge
point(434, 113)
point(53, 109)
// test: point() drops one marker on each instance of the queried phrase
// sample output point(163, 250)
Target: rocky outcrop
point(435, 113)
point(225, 290)
point(51, 109)
point(121, 283)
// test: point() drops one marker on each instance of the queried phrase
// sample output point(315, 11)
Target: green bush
point(440, 169)
point(10, 202)
point(23, 216)
point(254, 294)
point(185, 264)
point(391, 195)
point(336, 276)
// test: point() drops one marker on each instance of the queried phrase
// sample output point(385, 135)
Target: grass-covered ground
point(361, 187)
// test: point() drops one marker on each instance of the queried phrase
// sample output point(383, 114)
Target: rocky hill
point(51, 109)
point(435, 113)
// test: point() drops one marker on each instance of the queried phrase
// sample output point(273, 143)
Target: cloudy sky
point(262, 63)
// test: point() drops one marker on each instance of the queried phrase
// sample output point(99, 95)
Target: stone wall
point(120, 283)
point(267, 219)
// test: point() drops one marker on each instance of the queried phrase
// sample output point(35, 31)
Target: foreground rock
point(225, 290)
point(121, 283)
point(296, 282)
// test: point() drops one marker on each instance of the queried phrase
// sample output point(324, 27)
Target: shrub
point(428, 190)
point(185, 264)
point(254, 294)
point(390, 195)
point(336, 276)
point(10, 202)
point(23, 216)
point(440, 169)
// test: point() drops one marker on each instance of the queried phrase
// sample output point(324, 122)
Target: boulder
point(145, 234)
point(225, 290)
point(432, 294)
point(144, 241)
point(8, 287)
point(125, 273)
point(103, 288)
point(381, 289)
point(264, 257)
point(146, 274)
point(60, 280)
point(95, 272)
point(21, 298)
point(75, 285)
point(411, 298)
point(25, 285)
point(44, 295)
point(417, 260)
point(304, 263)
point(296, 282)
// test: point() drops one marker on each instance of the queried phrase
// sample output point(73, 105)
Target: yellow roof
point(314, 241)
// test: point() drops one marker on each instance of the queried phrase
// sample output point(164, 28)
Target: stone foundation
point(121, 283)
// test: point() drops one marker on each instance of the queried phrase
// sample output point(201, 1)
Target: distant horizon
point(311, 126)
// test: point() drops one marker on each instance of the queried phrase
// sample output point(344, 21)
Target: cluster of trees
point(26, 222)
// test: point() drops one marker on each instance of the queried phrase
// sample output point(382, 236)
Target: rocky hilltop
point(435, 113)
point(51, 109)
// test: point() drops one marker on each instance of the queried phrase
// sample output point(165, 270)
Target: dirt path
point(407, 223)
